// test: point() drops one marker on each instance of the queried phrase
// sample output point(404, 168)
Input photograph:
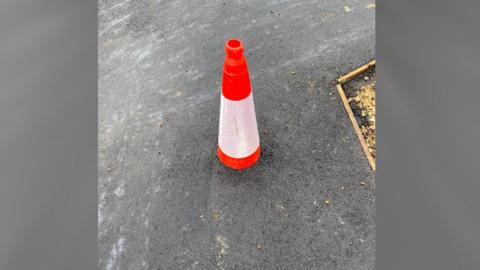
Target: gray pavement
point(165, 202)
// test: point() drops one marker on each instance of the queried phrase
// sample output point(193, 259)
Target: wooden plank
point(355, 126)
point(347, 77)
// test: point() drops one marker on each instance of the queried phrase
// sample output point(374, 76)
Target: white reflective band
point(238, 132)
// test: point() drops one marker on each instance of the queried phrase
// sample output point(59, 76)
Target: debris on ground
point(283, 210)
point(365, 102)
point(361, 97)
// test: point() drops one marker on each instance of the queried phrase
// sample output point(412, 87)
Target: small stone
point(293, 72)
point(216, 215)
point(366, 78)
point(259, 247)
point(327, 201)
point(342, 188)
point(161, 125)
point(265, 131)
point(202, 217)
point(108, 169)
point(362, 183)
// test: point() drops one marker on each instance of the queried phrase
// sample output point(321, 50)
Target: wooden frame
point(342, 80)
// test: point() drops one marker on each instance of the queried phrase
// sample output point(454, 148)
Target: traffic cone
point(238, 140)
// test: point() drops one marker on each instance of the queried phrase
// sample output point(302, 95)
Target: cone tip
point(234, 48)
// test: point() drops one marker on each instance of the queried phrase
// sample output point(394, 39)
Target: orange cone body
point(238, 139)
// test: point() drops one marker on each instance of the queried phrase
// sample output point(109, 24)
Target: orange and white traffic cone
point(238, 139)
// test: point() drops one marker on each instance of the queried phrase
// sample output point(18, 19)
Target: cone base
point(238, 163)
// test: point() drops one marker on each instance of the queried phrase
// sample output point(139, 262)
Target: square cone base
point(238, 163)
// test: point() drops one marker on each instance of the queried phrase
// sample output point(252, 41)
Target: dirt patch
point(360, 93)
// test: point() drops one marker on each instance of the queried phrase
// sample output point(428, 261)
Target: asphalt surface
point(165, 201)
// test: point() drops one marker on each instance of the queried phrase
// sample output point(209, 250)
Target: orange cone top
point(235, 82)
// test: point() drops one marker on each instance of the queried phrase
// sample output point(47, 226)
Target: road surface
point(165, 202)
